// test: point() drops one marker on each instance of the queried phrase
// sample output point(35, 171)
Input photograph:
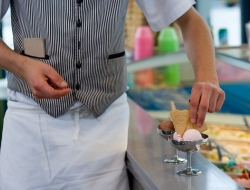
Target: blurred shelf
point(237, 56)
point(158, 61)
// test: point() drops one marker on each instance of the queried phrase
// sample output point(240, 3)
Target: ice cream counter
point(228, 130)
point(145, 160)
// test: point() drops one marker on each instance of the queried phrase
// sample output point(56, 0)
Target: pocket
point(46, 56)
point(116, 65)
point(116, 55)
point(35, 48)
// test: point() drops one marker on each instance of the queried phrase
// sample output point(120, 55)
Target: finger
point(53, 94)
point(203, 108)
point(213, 101)
point(220, 101)
point(56, 79)
point(60, 93)
point(46, 91)
point(194, 103)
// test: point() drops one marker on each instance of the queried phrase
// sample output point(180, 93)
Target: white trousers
point(73, 152)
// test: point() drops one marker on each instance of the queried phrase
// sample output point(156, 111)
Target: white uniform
point(41, 152)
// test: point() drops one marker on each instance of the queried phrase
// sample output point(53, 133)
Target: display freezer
point(233, 68)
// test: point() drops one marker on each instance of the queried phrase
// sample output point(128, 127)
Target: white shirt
point(159, 13)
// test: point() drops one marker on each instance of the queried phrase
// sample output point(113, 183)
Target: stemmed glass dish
point(189, 147)
point(175, 160)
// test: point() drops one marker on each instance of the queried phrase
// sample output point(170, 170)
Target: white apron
point(73, 152)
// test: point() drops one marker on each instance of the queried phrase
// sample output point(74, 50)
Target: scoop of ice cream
point(166, 125)
point(192, 135)
point(177, 137)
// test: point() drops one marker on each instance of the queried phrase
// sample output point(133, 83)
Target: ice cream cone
point(181, 120)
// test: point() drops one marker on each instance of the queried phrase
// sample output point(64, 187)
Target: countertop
point(147, 150)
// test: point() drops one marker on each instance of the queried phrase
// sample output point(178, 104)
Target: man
point(67, 118)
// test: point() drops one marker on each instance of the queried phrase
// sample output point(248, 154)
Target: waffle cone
point(182, 122)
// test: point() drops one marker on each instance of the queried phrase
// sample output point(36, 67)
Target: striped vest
point(84, 43)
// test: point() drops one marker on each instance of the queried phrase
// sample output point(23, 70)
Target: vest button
point(79, 23)
point(78, 65)
point(77, 86)
point(79, 2)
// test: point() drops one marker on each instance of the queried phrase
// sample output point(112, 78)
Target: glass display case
point(229, 129)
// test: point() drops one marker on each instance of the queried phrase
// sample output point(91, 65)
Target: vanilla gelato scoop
point(192, 135)
point(189, 135)
point(177, 137)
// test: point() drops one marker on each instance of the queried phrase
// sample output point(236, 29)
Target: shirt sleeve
point(161, 13)
point(4, 5)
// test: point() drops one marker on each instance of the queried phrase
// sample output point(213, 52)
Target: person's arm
point(206, 95)
point(39, 76)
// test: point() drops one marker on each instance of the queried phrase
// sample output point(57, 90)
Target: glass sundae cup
point(189, 147)
point(175, 160)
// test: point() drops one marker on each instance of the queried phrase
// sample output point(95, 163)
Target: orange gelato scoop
point(166, 125)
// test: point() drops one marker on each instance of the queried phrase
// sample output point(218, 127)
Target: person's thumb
point(63, 84)
point(57, 80)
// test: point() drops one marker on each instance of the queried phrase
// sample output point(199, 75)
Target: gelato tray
point(228, 132)
point(235, 147)
point(214, 156)
point(243, 158)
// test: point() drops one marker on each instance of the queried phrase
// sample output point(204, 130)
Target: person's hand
point(43, 80)
point(205, 97)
